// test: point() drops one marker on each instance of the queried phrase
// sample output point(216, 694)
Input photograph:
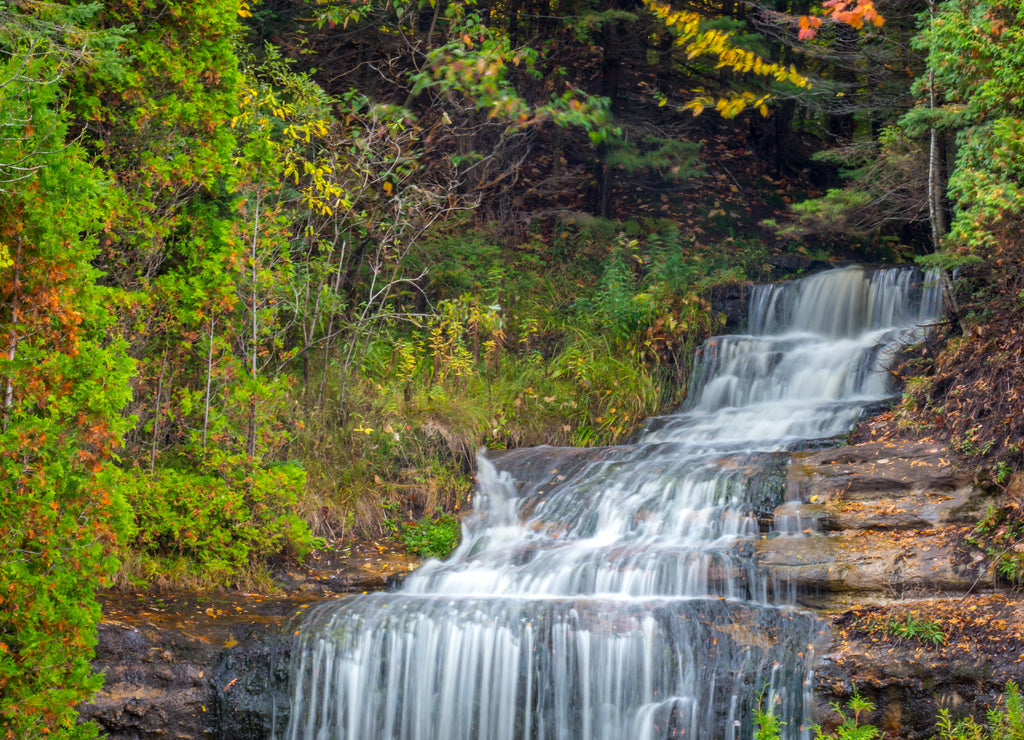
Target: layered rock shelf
point(878, 521)
point(886, 525)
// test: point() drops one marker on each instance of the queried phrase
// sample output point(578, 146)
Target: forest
point(273, 272)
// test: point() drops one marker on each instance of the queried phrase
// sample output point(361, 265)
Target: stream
point(614, 593)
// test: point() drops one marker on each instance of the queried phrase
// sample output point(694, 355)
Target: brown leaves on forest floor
point(983, 627)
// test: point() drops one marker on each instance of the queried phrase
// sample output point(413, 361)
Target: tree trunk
point(12, 341)
point(156, 416)
point(209, 383)
point(936, 187)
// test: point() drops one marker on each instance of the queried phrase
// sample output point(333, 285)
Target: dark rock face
point(251, 687)
point(730, 300)
point(158, 683)
point(162, 682)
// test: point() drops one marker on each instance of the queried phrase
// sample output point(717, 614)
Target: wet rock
point(157, 683)
point(251, 686)
point(546, 466)
point(910, 680)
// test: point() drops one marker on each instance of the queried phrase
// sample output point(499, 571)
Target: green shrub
point(219, 519)
point(432, 538)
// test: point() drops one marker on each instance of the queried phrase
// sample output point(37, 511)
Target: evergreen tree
point(63, 380)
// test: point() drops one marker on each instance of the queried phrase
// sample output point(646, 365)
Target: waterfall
point(615, 593)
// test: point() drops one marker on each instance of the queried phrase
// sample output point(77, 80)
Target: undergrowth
point(1003, 723)
point(914, 628)
point(1006, 723)
point(1000, 536)
point(514, 349)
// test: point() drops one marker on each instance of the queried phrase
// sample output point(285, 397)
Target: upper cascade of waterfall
point(613, 593)
point(845, 303)
point(813, 359)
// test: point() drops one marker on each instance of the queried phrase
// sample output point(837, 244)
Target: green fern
point(850, 727)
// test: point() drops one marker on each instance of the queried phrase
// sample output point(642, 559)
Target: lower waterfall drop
point(615, 593)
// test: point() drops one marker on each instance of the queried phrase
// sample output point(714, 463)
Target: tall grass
point(513, 351)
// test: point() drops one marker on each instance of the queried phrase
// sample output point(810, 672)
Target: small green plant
point(1000, 535)
point(916, 629)
point(850, 727)
point(1003, 473)
point(767, 725)
point(1005, 724)
point(432, 538)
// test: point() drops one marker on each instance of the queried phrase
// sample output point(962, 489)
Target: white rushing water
point(613, 593)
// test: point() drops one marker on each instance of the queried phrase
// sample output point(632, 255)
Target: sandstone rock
point(877, 520)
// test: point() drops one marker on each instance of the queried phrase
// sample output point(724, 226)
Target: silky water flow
point(614, 593)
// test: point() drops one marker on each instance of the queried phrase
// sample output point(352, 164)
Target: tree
point(971, 90)
point(64, 381)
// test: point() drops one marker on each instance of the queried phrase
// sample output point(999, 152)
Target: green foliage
point(830, 211)
point(219, 520)
point(63, 380)
point(913, 628)
point(695, 38)
point(976, 56)
point(619, 305)
point(1006, 723)
point(212, 167)
point(669, 159)
point(850, 726)
point(432, 537)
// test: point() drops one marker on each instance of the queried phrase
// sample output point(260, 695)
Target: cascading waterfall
point(615, 593)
